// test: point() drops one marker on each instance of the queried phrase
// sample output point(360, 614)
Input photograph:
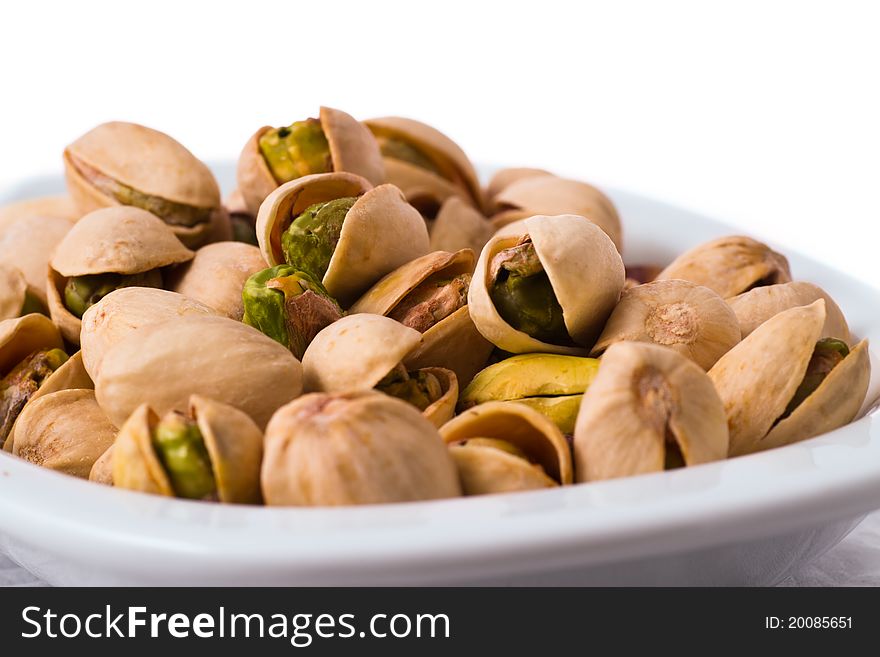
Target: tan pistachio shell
point(486, 470)
point(217, 274)
point(504, 178)
point(136, 466)
point(65, 431)
point(550, 195)
point(13, 288)
point(58, 207)
point(730, 266)
point(424, 190)
point(459, 226)
point(442, 410)
point(688, 318)
point(584, 268)
point(354, 448)
point(643, 394)
point(164, 364)
point(125, 310)
point(102, 470)
point(28, 243)
point(22, 336)
point(756, 306)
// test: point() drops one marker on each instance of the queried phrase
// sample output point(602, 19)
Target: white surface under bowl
point(745, 521)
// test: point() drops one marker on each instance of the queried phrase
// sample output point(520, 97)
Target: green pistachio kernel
point(83, 292)
point(310, 240)
point(181, 449)
point(19, 385)
point(297, 150)
point(420, 388)
point(828, 353)
point(398, 149)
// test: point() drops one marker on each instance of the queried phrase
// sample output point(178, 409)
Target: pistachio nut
point(26, 244)
point(649, 409)
point(64, 431)
point(242, 221)
point(163, 364)
point(429, 294)
point(341, 231)
point(638, 274)
point(121, 163)
point(546, 284)
point(288, 305)
point(354, 448)
point(785, 383)
point(102, 470)
point(550, 195)
point(333, 143)
point(211, 452)
point(217, 274)
point(730, 266)
point(506, 447)
point(14, 294)
point(504, 178)
point(52, 207)
point(106, 250)
point(459, 226)
point(756, 306)
point(551, 384)
point(689, 318)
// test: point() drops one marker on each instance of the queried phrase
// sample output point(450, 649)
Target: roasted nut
point(26, 244)
point(13, 293)
point(46, 207)
point(459, 226)
point(504, 178)
point(102, 470)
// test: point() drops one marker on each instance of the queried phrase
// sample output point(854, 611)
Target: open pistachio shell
point(730, 266)
point(442, 410)
point(28, 243)
point(354, 448)
point(13, 289)
point(57, 207)
point(22, 336)
point(689, 318)
point(459, 226)
point(136, 466)
point(504, 178)
point(759, 304)
point(584, 269)
point(649, 408)
point(485, 469)
point(216, 275)
point(150, 163)
point(550, 195)
point(102, 470)
point(163, 364)
point(352, 149)
point(64, 431)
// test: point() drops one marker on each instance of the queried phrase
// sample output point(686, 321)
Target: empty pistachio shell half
point(781, 384)
point(504, 178)
point(506, 447)
point(354, 448)
point(649, 409)
point(550, 195)
point(459, 226)
point(128, 164)
point(546, 284)
point(27, 244)
point(212, 452)
point(756, 306)
point(217, 274)
point(689, 318)
point(65, 431)
point(730, 266)
point(163, 364)
point(334, 142)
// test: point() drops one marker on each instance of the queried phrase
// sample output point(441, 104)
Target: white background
point(766, 114)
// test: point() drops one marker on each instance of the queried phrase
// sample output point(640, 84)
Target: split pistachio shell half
point(27, 244)
point(730, 266)
point(505, 447)
point(550, 195)
point(585, 272)
point(459, 226)
point(649, 409)
point(757, 381)
point(234, 446)
point(354, 448)
point(756, 306)
point(163, 364)
point(352, 149)
point(504, 178)
point(379, 233)
point(217, 274)
point(53, 207)
point(689, 318)
point(102, 470)
point(65, 431)
point(121, 163)
point(13, 290)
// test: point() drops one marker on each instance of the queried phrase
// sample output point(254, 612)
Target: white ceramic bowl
point(749, 520)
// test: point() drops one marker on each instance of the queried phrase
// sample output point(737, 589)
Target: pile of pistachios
point(362, 321)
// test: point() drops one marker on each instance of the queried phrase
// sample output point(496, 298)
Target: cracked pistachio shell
point(353, 149)
point(730, 266)
point(102, 470)
point(584, 268)
point(504, 178)
point(380, 233)
point(147, 161)
point(55, 207)
point(354, 448)
point(457, 175)
point(13, 289)
point(756, 306)
point(442, 410)
point(459, 226)
point(217, 274)
point(234, 444)
point(65, 431)
point(688, 318)
point(28, 243)
point(643, 395)
point(164, 364)
point(550, 195)
point(486, 469)
point(125, 310)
